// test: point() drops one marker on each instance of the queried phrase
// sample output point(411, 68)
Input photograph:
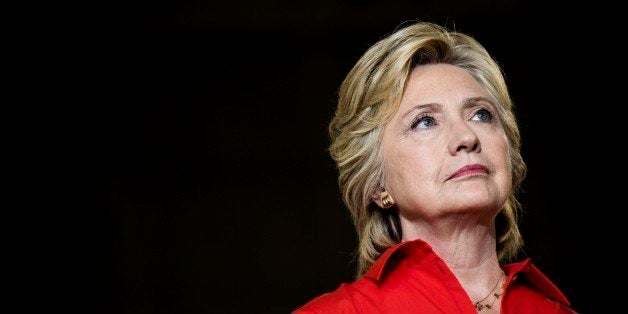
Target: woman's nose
point(463, 138)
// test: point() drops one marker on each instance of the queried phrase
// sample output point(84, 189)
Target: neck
point(466, 245)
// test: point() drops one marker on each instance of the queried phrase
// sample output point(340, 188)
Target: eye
point(423, 122)
point(483, 115)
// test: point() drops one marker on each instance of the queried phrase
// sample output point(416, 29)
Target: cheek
point(502, 163)
point(410, 168)
point(502, 158)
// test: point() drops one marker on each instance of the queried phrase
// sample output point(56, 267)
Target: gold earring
point(386, 201)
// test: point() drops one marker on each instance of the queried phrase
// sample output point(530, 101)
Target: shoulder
point(341, 300)
point(397, 274)
point(530, 287)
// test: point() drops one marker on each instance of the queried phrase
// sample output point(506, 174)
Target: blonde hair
point(369, 96)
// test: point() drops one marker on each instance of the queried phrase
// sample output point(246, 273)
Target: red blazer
point(410, 278)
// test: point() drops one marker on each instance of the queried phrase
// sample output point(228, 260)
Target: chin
point(484, 202)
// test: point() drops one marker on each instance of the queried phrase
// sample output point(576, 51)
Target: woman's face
point(445, 150)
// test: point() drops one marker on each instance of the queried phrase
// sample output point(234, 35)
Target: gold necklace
point(479, 306)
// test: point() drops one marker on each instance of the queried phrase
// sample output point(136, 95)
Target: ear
point(382, 197)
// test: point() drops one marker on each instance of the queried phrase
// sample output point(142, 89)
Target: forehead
point(438, 82)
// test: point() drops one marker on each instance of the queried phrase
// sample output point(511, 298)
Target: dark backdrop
point(200, 144)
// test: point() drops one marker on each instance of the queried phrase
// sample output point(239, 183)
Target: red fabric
point(411, 278)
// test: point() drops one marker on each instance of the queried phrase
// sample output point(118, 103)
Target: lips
point(469, 170)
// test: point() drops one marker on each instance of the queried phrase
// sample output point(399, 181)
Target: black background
point(199, 139)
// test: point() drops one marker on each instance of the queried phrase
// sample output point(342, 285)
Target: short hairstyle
point(369, 96)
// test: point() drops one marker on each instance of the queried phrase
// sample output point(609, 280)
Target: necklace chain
point(479, 306)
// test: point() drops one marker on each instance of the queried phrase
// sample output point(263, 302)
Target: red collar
point(416, 251)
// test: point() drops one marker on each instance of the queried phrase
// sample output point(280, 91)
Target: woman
point(428, 152)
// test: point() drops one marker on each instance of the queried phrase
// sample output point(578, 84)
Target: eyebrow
point(474, 100)
point(430, 106)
